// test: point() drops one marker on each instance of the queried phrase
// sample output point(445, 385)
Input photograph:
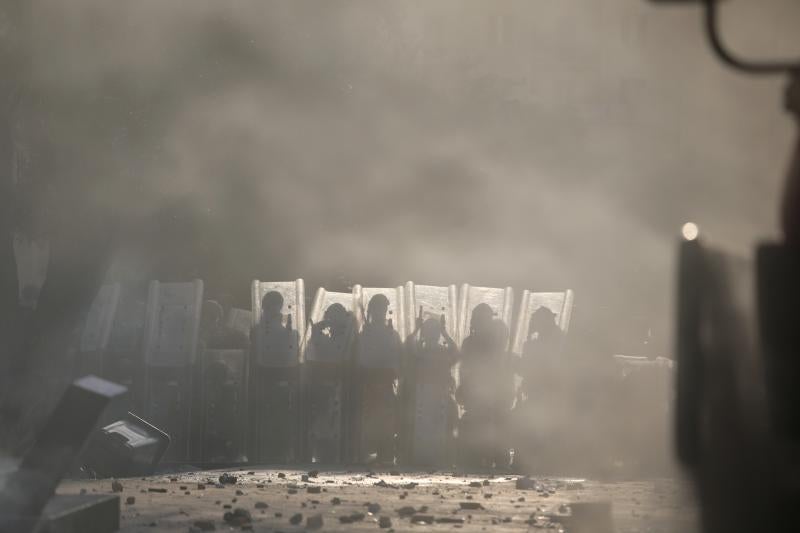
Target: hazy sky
point(541, 144)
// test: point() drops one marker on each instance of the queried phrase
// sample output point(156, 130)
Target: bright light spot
point(690, 231)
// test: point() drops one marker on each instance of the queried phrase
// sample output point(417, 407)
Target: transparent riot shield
point(124, 362)
point(379, 357)
point(170, 349)
point(329, 345)
point(543, 390)
point(428, 378)
point(278, 320)
point(501, 302)
point(223, 400)
point(484, 377)
point(97, 330)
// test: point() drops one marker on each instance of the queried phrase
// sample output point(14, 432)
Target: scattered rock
point(410, 485)
point(205, 525)
point(336, 501)
point(475, 484)
point(227, 479)
point(130, 500)
point(384, 522)
point(422, 519)
point(116, 486)
point(313, 473)
point(200, 486)
point(159, 490)
point(406, 511)
point(470, 505)
point(485, 482)
point(304, 478)
point(314, 490)
point(239, 492)
point(382, 484)
point(296, 519)
point(450, 520)
point(261, 505)
point(238, 517)
point(314, 522)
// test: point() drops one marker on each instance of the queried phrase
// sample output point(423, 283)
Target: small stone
point(485, 482)
point(83, 491)
point(406, 511)
point(159, 490)
point(238, 517)
point(278, 515)
point(313, 473)
point(487, 495)
point(201, 486)
point(281, 475)
point(251, 473)
point(470, 505)
point(130, 500)
point(183, 487)
point(314, 522)
point(116, 486)
point(205, 525)
point(227, 479)
point(475, 484)
point(296, 519)
point(314, 490)
point(304, 478)
point(374, 508)
point(261, 505)
point(422, 519)
point(239, 492)
point(336, 501)
point(384, 522)
point(450, 520)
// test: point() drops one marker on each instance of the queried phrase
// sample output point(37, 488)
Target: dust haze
point(538, 144)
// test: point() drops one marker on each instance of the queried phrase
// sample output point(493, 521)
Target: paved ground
point(289, 500)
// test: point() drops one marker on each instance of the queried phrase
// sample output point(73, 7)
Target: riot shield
point(559, 303)
point(379, 355)
point(123, 362)
point(544, 396)
point(170, 349)
point(97, 330)
point(278, 318)
point(429, 402)
point(223, 401)
point(501, 302)
point(484, 380)
point(328, 356)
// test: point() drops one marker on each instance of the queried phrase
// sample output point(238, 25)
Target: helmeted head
point(337, 316)
point(543, 320)
point(377, 308)
point(431, 331)
point(271, 305)
point(481, 319)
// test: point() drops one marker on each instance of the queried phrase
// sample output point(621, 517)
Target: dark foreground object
point(81, 513)
point(28, 490)
point(129, 447)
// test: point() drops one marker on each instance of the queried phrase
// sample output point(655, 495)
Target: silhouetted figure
point(541, 396)
point(275, 386)
point(431, 408)
point(215, 334)
point(485, 391)
point(328, 357)
point(377, 380)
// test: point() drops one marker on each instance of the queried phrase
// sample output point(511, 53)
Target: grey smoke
point(538, 144)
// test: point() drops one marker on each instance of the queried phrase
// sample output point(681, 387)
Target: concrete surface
point(196, 500)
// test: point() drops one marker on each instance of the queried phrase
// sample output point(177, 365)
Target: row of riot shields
point(417, 374)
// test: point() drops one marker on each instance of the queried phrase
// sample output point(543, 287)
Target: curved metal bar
point(752, 67)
